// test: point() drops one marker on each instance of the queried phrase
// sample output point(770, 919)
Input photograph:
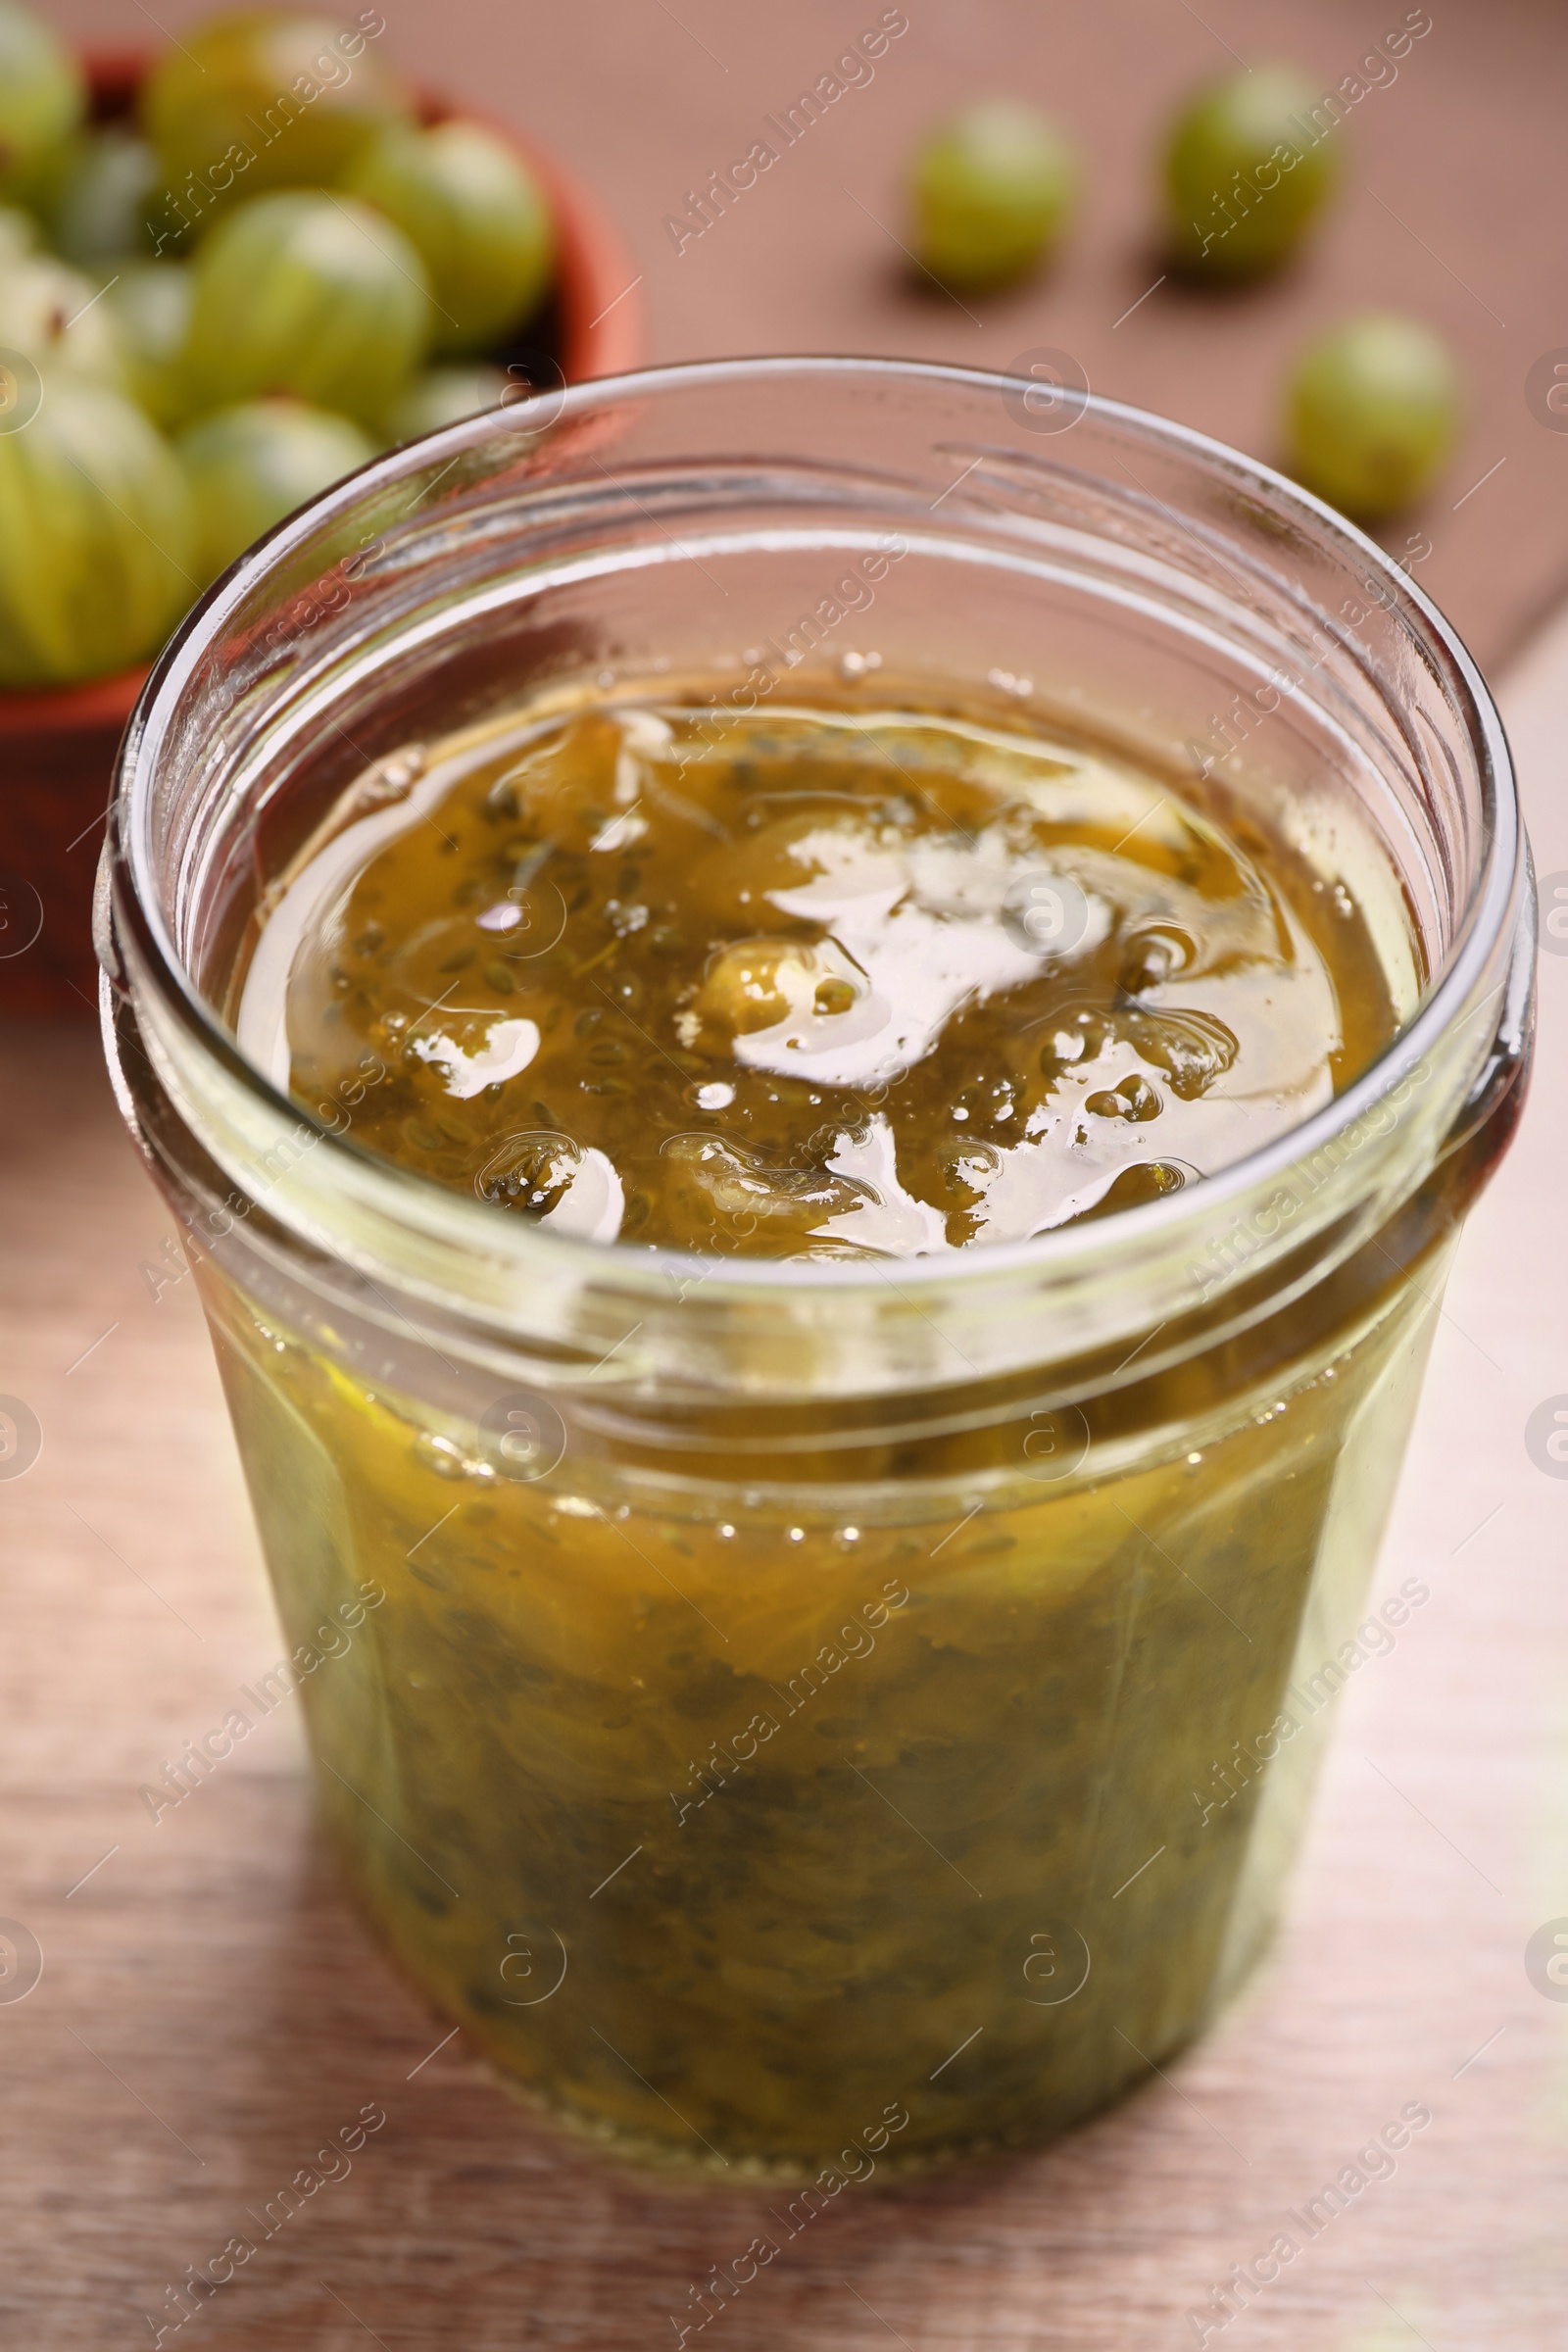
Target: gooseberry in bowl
point(96, 537)
point(49, 315)
point(265, 98)
point(250, 464)
point(149, 304)
point(42, 93)
point(19, 234)
point(441, 396)
point(307, 292)
point(95, 196)
point(991, 193)
point(1373, 413)
point(57, 741)
point(474, 214)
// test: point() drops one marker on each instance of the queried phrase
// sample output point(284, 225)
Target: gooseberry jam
point(885, 982)
point(724, 1810)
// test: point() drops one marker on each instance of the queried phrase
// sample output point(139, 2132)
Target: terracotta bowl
point(58, 744)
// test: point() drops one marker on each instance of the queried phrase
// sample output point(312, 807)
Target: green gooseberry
point(250, 464)
point(474, 212)
point(96, 538)
point(1373, 413)
point(1251, 164)
point(310, 293)
point(991, 193)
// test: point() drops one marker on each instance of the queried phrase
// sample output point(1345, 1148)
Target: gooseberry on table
point(992, 190)
point(1373, 413)
point(1250, 165)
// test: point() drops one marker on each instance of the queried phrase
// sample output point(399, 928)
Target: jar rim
point(1490, 914)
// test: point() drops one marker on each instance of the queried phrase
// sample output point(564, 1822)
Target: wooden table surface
point(209, 2013)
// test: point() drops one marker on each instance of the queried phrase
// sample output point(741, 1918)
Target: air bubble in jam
point(1152, 954)
point(562, 1183)
point(1193, 1049)
point(835, 939)
point(738, 1185)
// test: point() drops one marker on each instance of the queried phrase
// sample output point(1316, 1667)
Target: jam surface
point(812, 983)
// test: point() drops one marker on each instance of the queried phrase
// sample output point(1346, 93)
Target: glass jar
point(802, 1719)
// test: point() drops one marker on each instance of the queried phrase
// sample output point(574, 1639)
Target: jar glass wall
point(827, 1715)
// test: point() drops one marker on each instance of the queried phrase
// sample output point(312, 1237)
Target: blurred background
point(1448, 209)
point(207, 2010)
